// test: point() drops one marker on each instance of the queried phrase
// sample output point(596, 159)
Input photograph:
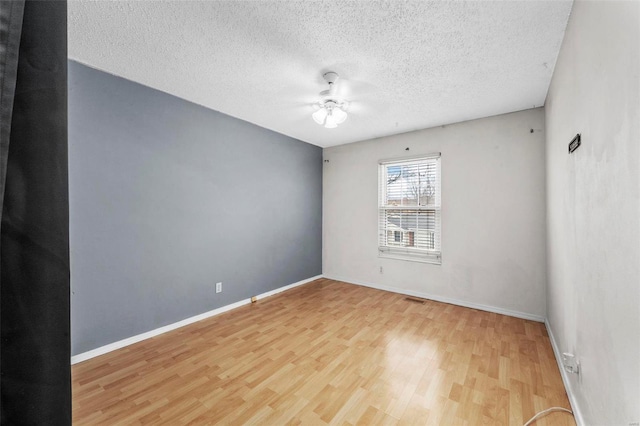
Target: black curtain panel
point(35, 372)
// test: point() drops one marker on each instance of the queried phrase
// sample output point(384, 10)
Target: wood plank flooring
point(329, 353)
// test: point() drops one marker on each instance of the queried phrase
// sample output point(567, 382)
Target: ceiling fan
point(331, 109)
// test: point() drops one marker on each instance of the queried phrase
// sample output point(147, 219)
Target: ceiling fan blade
point(352, 89)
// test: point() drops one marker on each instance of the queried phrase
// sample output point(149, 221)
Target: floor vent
point(415, 300)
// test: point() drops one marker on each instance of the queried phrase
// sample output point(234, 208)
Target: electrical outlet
point(218, 287)
point(381, 270)
point(570, 363)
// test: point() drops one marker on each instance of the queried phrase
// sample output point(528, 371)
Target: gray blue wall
point(167, 198)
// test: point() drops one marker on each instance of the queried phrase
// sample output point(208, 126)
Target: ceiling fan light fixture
point(339, 115)
point(330, 122)
point(319, 116)
point(330, 114)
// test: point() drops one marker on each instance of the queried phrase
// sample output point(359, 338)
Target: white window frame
point(387, 233)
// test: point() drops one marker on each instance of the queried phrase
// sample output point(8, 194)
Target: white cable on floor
point(547, 411)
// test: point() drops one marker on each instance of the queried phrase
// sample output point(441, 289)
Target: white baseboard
point(577, 414)
point(287, 287)
point(135, 339)
point(458, 302)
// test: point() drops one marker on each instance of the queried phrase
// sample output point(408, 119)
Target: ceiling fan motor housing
point(329, 98)
point(331, 77)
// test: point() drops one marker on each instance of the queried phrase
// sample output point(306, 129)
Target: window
point(409, 209)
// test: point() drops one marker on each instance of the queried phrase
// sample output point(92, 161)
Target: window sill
point(431, 259)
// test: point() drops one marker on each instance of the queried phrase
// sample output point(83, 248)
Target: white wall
point(493, 214)
point(593, 294)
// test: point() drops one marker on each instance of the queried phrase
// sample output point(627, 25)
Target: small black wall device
point(574, 144)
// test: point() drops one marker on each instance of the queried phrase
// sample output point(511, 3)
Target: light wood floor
point(329, 352)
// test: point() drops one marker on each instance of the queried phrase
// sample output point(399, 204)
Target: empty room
point(320, 212)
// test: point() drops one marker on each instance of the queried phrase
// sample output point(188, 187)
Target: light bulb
point(331, 121)
point(319, 116)
point(339, 115)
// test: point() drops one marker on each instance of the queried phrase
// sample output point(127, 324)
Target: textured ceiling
point(403, 65)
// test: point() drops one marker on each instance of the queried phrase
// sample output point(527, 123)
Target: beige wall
point(593, 294)
point(493, 224)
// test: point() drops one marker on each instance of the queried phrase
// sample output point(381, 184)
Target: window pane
point(410, 228)
point(411, 184)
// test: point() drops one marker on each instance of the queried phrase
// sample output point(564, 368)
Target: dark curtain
point(35, 372)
